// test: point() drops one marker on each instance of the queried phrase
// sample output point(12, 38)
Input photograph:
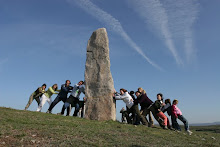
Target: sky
point(163, 46)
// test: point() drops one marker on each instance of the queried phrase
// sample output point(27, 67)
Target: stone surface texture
point(99, 84)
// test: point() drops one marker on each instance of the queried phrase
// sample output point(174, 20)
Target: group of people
point(41, 96)
point(157, 108)
point(132, 113)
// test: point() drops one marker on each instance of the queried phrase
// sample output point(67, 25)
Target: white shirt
point(126, 98)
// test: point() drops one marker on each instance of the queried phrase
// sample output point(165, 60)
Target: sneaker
point(189, 132)
point(165, 128)
point(59, 114)
point(150, 125)
point(48, 111)
point(171, 128)
point(177, 131)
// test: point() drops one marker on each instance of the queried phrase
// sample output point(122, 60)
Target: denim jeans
point(76, 109)
point(176, 125)
point(65, 106)
point(184, 120)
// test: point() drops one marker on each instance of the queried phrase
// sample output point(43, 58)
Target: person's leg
point(43, 101)
point(127, 116)
point(156, 117)
point(151, 121)
point(137, 111)
point(184, 120)
point(144, 114)
point(175, 123)
point(29, 101)
point(49, 100)
point(76, 109)
point(161, 115)
point(37, 100)
point(68, 110)
point(82, 112)
point(57, 100)
point(168, 123)
point(65, 105)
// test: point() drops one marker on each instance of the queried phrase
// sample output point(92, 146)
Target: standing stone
point(99, 84)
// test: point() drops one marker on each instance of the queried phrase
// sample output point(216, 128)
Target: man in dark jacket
point(62, 96)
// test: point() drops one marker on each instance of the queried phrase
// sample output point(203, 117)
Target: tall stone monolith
point(99, 84)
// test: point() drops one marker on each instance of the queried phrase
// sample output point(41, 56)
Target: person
point(176, 112)
point(144, 102)
point(157, 105)
point(136, 119)
point(167, 108)
point(123, 118)
point(47, 97)
point(131, 108)
point(74, 99)
point(141, 90)
point(150, 103)
point(36, 95)
point(62, 96)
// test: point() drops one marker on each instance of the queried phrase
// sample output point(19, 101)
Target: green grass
point(27, 128)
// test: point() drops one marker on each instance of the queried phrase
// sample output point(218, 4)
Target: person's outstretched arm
point(52, 91)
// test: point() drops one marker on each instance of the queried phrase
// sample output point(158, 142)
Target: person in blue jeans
point(62, 96)
point(176, 112)
point(74, 99)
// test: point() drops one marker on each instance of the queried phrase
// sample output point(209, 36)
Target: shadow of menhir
point(99, 85)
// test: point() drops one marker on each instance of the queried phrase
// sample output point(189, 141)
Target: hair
point(131, 92)
point(124, 90)
point(167, 101)
point(175, 101)
point(44, 85)
point(160, 94)
point(141, 89)
point(54, 85)
point(67, 81)
point(82, 82)
point(138, 92)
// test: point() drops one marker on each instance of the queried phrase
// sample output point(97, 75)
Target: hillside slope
point(27, 128)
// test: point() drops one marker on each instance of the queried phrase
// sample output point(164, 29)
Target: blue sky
point(167, 46)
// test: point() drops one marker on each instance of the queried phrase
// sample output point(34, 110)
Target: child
point(157, 105)
point(178, 114)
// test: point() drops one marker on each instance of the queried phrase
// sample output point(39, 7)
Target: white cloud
point(170, 20)
point(111, 23)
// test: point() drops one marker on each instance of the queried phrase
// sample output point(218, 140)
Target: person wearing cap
point(74, 98)
point(36, 95)
point(62, 96)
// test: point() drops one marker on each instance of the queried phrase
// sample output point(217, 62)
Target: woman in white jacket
point(131, 107)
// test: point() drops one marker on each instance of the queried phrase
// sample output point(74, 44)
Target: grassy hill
point(27, 128)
